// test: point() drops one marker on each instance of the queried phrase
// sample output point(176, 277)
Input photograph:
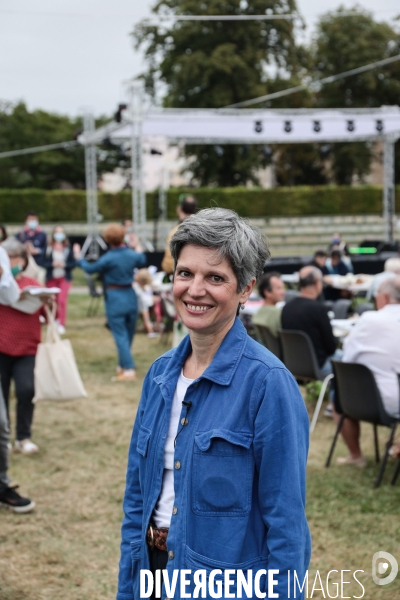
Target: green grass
point(68, 548)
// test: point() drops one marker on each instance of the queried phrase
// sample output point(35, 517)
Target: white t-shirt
point(163, 510)
point(374, 342)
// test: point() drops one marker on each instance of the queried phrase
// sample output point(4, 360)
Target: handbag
point(56, 373)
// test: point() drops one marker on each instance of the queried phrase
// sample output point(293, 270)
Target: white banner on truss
point(235, 126)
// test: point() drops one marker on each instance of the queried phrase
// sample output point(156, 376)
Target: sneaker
point(153, 334)
point(61, 329)
point(12, 500)
point(328, 412)
point(26, 447)
point(129, 375)
point(359, 462)
point(9, 446)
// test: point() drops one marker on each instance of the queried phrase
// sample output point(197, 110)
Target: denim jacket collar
point(223, 366)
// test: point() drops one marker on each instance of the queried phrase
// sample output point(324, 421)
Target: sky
point(67, 56)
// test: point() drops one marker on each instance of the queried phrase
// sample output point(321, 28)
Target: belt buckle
point(152, 537)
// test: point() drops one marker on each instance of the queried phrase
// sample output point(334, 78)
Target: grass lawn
point(68, 548)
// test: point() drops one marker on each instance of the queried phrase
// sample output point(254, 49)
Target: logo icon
point(288, 126)
point(350, 126)
point(383, 562)
point(258, 126)
point(317, 126)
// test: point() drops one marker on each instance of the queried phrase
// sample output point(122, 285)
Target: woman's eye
point(183, 273)
point(216, 278)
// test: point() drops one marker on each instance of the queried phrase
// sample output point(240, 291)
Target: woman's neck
point(204, 348)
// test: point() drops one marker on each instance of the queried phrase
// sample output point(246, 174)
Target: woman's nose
point(197, 288)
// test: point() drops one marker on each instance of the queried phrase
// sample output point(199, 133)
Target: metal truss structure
point(93, 240)
point(261, 126)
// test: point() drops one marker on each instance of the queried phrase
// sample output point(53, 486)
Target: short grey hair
point(391, 287)
point(309, 276)
point(392, 265)
point(13, 247)
point(231, 236)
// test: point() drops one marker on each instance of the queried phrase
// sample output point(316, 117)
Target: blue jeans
point(121, 311)
point(327, 369)
point(327, 366)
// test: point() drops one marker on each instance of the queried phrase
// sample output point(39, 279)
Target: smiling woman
point(216, 473)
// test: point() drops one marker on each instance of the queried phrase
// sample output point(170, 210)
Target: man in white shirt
point(391, 269)
point(374, 342)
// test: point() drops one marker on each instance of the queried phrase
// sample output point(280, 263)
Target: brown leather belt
point(119, 287)
point(157, 537)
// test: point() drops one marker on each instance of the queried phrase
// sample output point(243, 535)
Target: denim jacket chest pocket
point(223, 470)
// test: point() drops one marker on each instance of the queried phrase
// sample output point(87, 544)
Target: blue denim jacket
point(240, 468)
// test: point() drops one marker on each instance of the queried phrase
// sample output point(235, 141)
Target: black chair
point(299, 357)
point(94, 296)
point(358, 398)
point(341, 308)
point(268, 340)
point(364, 307)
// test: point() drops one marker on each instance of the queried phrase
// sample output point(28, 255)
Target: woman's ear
point(244, 296)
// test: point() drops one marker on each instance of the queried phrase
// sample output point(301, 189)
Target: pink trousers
point(62, 297)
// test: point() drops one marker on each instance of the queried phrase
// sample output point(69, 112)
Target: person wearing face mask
point(19, 340)
point(33, 237)
point(59, 261)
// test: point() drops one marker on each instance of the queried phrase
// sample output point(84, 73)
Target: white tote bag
point(56, 374)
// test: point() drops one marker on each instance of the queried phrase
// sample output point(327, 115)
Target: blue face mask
point(33, 223)
point(335, 241)
point(59, 236)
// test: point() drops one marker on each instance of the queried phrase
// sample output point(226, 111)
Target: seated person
point(335, 266)
point(272, 289)
point(374, 342)
point(390, 269)
point(319, 261)
point(144, 293)
point(305, 313)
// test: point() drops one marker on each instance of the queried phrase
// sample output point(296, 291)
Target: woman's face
point(205, 290)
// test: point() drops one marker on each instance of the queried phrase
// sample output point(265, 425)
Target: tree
point(346, 41)
point(53, 169)
point(215, 64)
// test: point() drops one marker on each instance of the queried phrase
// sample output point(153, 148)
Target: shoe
point(125, 376)
point(61, 329)
point(9, 446)
point(12, 500)
point(25, 447)
point(154, 334)
point(328, 412)
point(359, 462)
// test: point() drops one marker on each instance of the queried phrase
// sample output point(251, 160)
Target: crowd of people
point(372, 342)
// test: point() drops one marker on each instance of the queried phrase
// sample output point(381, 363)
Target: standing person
point(59, 261)
point(33, 237)
point(116, 267)
point(187, 206)
point(9, 497)
point(19, 340)
point(217, 463)
point(272, 289)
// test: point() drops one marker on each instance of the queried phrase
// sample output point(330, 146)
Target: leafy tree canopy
point(212, 64)
point(20, 128)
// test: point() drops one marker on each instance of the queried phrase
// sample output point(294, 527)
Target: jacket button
point(174, 510)
point(184, 421)
point(171, 555)
point(177, 464)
